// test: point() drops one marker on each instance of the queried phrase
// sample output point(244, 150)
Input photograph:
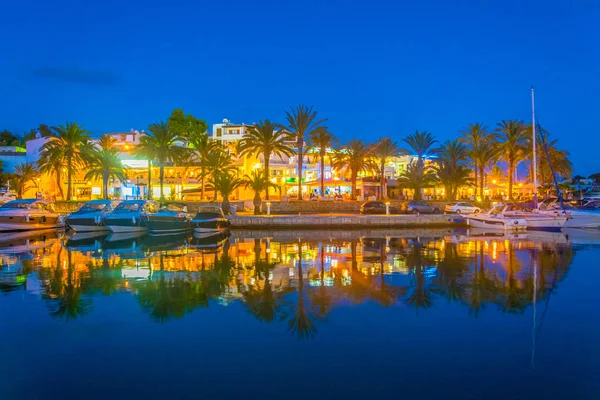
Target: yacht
point(583, 217)
point(90, 217)
point(210, 219)
point(172, 218)
point(29, 214)
point(513, 218)
point(130, 216)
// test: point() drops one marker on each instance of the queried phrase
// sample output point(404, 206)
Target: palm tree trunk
point(383, 190)
point(481, 170)
point(225, 205)
point(59, 183)
point(149, 180)
point(267, 174)
point(353, 177)
point(202, 176)
point(257, 203)
point(105, 186)
point(475, 168)
point(322, 172)
point(69, 177)
point(162, 179)
point(300, 160)
point(511, 172)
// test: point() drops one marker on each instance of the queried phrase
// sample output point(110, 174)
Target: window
point(219, 132)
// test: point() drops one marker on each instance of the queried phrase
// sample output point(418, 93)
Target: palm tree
point(70, 145)
point(421, 143)
point(162, 146)
point(559, 159)
point(258, 182)
point(224, 182)
point(24, 173)
point(106, 142)
point(452, 176)
point(416, 176)
point(264, 138)
point(50, 162)
point(202, 147)
point(355, 156)
point(512, 141)
point(384, 151)
point(474, 135)
point(105, 164)
point(484, 153)
point(218, 160)
point(321, 140)
point(302, 123)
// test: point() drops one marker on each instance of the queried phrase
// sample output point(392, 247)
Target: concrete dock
point(344, 221)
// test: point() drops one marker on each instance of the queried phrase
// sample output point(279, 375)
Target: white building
point(227, 131)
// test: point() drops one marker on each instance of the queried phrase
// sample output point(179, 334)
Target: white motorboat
point(90, 217)
point(29, 214)
point(210, 219)
point(496, 220)
point(583, 217)
point(130, 216)
point(173, 218)
point(535, 221)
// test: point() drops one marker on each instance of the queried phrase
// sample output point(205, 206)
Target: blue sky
point(373, 68)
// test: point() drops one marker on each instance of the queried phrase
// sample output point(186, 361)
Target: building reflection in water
point(295, 280)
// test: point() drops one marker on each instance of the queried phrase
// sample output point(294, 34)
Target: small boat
point(90, 217)
point(29, 214)
point(129, 216)
point(172, 218)
point(210, 219)
point(582, 217)
point(495, 219)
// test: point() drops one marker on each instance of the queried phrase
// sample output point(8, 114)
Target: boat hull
point(165, 225)
point(214, 225)
point(124, 225)
point(503, 224)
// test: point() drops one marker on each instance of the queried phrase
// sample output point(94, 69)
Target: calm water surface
point(369, 314)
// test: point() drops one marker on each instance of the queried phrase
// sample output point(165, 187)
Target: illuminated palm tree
point(450, 169)
point(384, 150)
point(356, 156)
point(202, 146)
point(258, 182)
point(484, 153)
point(321, 140)
point(163, 147)
point(224, 183)
point(416, 176)
point(474, 136)
point(421, 143)
point(217, 161)
point(24, 174)
point(264, 138)
point(107, 142)
point(303, 123)
point(70, 144)
point(512, 138)
point(50, 162)
point(105, 164)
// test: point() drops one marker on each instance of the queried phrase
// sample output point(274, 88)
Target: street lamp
point(387, 208)
point(268, 207)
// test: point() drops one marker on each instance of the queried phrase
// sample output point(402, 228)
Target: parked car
point(419, 207)
point(462, 208)
point(376, 207)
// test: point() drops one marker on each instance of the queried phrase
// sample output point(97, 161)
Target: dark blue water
point(405, 314)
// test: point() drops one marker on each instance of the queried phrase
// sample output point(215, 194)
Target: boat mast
point(534, 145)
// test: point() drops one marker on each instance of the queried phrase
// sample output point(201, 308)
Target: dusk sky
point(374, 68)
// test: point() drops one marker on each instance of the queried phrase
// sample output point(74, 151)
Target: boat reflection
point(295, 278)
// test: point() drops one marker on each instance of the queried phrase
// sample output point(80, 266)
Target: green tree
point(512, 139)
point(264, 138)
point(224, 183)
point(25, 173)
point(105, 164)
point(320, 141)
point(303, 123)
point(258, 182)
point(219, 160)
point(184, 125)
point(50, 162)
point(421, 143)
point(8, 139)
point(474, 136)
point(356, 156)
point(483, 154)
point(70, 144)
point(163, 147)
point(384, 150)
point(450, 169)
point(416, 176)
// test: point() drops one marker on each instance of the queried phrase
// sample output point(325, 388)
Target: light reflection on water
point(301, 282)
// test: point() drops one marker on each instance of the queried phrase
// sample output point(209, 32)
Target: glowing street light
point(387, 208)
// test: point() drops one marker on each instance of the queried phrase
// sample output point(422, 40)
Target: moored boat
point(29, 214)
point(90, 217)
point(172, 218)
point(129, 216)
point(496, 220)
point(583, 217)
point(210, 219)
